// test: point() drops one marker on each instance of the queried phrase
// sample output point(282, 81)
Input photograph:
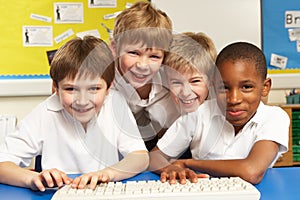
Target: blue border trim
point(12, 77)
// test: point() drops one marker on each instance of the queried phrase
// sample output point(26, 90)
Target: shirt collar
point(257, 117)
point(53, 103)
point(128, 91)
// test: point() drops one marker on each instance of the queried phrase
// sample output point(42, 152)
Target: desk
point(278, 183)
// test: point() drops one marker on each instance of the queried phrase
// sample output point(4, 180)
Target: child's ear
point(54, 88)
point(266, 87)
point(113, 48)
point(108, 88)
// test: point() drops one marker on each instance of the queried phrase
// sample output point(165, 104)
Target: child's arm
point(132, 164)
point(12, 174)
point(251, 169)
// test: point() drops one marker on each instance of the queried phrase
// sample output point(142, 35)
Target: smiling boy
point(142, 34)
point(234, 135)
point(82, 128)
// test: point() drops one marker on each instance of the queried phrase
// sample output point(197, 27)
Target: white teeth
point(187, 101)
point(139, 76)
point(81, 110)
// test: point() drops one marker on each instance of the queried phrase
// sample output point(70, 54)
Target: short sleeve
point(179, 136)
point(275, 127)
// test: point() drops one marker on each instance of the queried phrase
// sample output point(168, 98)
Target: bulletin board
point(281, 35)
point(25, 58)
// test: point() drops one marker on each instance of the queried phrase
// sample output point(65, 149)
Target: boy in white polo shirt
point(189, 67)
point(142, 34)
point(234, 135)
point(82, 128)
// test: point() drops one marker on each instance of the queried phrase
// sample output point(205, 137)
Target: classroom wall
point(225, 22)
point(240, 20)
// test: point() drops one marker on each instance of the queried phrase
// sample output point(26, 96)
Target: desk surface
point(278, 183)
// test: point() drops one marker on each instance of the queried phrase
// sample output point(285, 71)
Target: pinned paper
point(37, 36)
point(94, 33)
point(292, 19)
point(128, 5)
point(294, 34)
point(102, 3)
point(278, 61)
point(68, 13)
point(298, 46)
point(112, 15)
point(64, 36)
point(40, 18)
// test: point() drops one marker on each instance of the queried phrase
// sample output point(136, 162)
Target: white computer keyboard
point(205, 189)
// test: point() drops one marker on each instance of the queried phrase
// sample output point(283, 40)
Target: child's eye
point(133, 52)
point(70, 89)
point(248, 87)
point(155, 57)
point(94, 88)
point(175, 82)
point(196, 81)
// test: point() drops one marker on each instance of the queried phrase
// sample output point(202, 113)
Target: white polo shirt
point(52, 132)
point(211, 137)
point(160, 108)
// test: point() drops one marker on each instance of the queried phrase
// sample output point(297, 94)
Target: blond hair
point(191, 52)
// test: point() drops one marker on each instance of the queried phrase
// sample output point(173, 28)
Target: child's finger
point(48, 179)
point(163, 177)
point(56, 175)
point(38, 185)
point(172, 177)
point(202, 175)
point(67, 180)
point(182, 177)
point(83, 182)
point(93, 182)
point(76, 182)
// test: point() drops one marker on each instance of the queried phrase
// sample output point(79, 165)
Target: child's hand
point(92, 178)
point(177, 170)
point(50, 178)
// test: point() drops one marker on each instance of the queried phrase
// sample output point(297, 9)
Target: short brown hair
point(87, 56)
point(143, 23)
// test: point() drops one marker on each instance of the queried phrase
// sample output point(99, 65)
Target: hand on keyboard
point(178, 172)
point(92, 178)
point(205, 188)
point(49, 178)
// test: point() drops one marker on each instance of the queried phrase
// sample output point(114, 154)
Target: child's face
point(139, 64)
point(242, 91)
point(82, 97)
point(188, 89)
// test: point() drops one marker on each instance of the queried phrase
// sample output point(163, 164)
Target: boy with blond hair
point(142, 34)
point(189, 65)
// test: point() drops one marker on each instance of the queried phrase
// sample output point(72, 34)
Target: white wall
point(19, 106)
